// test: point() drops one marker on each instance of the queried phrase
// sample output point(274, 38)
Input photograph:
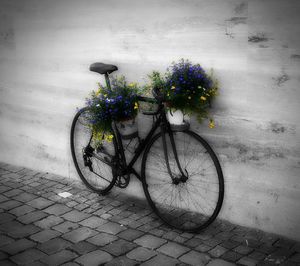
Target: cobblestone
point(38, 227)
point(173, 249)
point(102, 239)
point(195, 258)
point(79, 234)
point(149, 241)
point(94, 258)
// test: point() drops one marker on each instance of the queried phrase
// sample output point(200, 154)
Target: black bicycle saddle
point(103, 68)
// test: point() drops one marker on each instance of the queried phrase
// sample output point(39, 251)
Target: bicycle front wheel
point(93, 164)
point(191, 199)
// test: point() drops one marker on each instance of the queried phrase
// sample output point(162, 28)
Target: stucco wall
point(254, 47)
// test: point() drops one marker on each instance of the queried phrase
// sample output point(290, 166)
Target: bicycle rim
point(100, 176)
point(191, 205)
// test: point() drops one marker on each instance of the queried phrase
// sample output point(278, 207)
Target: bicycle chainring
point(122, 181)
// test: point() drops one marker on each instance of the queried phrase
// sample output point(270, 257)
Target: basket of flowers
point(187, 90)
point(116, 104)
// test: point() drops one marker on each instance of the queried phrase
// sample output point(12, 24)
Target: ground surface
point(39, 227)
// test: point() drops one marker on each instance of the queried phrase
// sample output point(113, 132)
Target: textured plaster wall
point(254, 47)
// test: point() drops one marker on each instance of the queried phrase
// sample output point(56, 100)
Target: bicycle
point(181, 175)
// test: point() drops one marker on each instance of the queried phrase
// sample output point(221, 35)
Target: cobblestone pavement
point(39, 227)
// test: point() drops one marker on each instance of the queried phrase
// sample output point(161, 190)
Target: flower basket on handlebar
point(186, 89)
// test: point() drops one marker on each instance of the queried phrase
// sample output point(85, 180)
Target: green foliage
point(115, 104)
point(187, 87)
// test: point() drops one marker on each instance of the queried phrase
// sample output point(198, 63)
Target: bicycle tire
point(170, 204)
point(95, 181)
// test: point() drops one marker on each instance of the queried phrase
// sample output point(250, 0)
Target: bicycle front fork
point(183, 175)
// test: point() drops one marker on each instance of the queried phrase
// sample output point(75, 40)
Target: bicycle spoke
point(189, 204)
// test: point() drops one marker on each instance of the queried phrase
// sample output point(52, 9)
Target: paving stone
point(141, 254)
point(6, 217)
point(171, 235)
point(13, 192)
point(122, 261)
point(193, 242)
point(102, 239)
point(7, 263)
point(257, 255)
point(40, 203)
point(53, 245)
point(10, 204)
point(59, 258)
point(25, 197)
point(82, 247)
point(203, 236)
point(94, 258)
point(3, 256)
point(45, 235)
point(111, 228)
point(49, 222)
point(247, 261)
point(217, 251)
point(244, 250)
point(32, 217)
point(180, 239)
point(28, 256)
point(65, 227)
point(161, 259)
point(173, 249)
point(21, 210)
point(279, 256)
point(296, 258)
point(75, 216)
point(18, 230)
point(267, 249)
point(70, 264)
point(57, 209)
point(212, 242)
point(231, 256)
point(3, 198)
point(150, 241)
point(93, 222)
point(130, 234)
point(284, 243)
point(17, 246)
point(219, 262)
point(79, 234)
point(203, 248)
point(119, 247)
point(229, 244)
point(5, 240)
point(195, 258)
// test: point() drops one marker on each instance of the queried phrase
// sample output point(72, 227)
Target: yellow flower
point(97, 92)
point(131, 84)
point(136, 106)
point(168, 94)
point(109, 138)
point(203, 98)
point(105, 95)
point(173, 88)
point(211, 123)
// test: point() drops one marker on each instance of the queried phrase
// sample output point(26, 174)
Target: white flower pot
point(175, 117)
point(128, 128)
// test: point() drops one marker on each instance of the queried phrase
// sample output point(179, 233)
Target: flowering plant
point(118, 103)
point(187, 87)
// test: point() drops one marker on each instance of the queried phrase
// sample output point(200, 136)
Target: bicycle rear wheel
point(191, 204)
point(94, 165)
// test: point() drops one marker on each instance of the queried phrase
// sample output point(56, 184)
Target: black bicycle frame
point(161, 122)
